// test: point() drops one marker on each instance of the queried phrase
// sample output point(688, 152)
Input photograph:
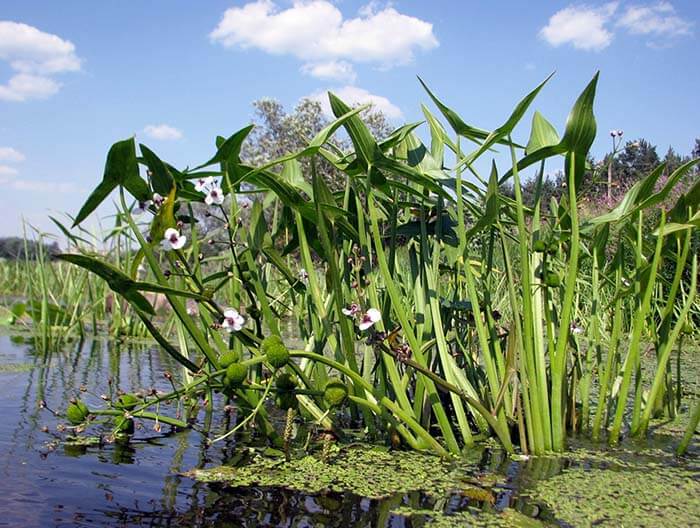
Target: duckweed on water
point(369, 472)
point(647, 494)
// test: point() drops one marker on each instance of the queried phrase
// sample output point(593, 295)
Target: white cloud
point(331, 71)
point(44, 186)
point(658, 20)
point(23, 86)
point(11, 155)
point(34, 56)
point(315, 31)
point(163, 132)
point(581, 26)
point(353, 96)
point(7, 172)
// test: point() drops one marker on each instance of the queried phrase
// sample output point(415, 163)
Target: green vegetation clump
point(236, 374)
point(127, 401)
point(227, 358)
point(275, 351)
point(335, 392)
point(285, 382)
point(77, 412)
point(366, 471)
point(651, 495)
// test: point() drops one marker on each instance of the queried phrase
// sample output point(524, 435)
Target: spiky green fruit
point(236, 373)
point(335, 393)
point(77, 412)
point(227, 358)
point(275, 351)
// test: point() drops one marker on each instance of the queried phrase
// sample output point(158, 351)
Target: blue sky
point(77, 76)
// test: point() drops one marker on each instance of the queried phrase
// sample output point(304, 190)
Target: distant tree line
point(630, 164)
point(14, 248)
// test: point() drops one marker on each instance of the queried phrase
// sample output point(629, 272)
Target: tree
point(278, 133)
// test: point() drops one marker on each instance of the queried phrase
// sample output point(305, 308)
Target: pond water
point(44, 482)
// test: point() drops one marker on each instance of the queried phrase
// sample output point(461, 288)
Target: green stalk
point(558, 361)
point(638, 325)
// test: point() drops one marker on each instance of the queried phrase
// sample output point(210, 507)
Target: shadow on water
point(46, 482)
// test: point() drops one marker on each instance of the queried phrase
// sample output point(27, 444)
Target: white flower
point(173, 239)
point(369, 318)
point(158, 199)
point(613, 133)
point(142, 207)
point(619, 133)
point(214, 196)
point(575, 329)
point(233, 321)
point(203, 184)
point(303, 275)
point(352, 310)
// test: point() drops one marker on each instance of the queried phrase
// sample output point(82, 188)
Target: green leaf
point(361, 137)
point(230, 149)
point(459, 126)
point(121, 168)
point(119, 282)
point(578, 136)
point(161, 179)
point(580, 125)
point(542, 134)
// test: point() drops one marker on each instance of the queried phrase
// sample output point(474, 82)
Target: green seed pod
point(275, 351)
point(539, 246)
point(552, 280)
point(285, 382)
point(270, 341)
point(335, 393)
point(127, 402)
point(77, 412)
point(236, 374)
point(227, 358)
point(286, 401)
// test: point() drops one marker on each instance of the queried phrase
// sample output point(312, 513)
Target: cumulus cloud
point(591, 28)
point(34, 56)
point(353, 96)
point(659, 20)
point(162, 132)
point(11, 155)
point(331, 71)
point(316, 32)
point(45, 186)
point(581, 26)
point(7, 172)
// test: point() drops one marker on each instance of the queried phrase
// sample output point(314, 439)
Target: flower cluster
point(213, 193)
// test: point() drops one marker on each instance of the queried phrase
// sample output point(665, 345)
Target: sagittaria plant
point(433, 310)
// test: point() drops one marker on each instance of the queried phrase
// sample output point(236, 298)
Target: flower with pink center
point(173, 239)
point(303, 275)
point(158, 199)
point(214, 196)
point(233, 321)
point(203, 184)
point(352, 310)
point(370, 317)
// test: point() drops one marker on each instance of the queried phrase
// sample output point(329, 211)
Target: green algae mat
point(639, 486)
